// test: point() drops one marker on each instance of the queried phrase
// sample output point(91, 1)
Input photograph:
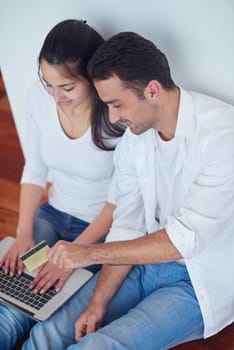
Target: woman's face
point(68, 92)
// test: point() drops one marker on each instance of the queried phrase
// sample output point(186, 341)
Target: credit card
point(36, 256)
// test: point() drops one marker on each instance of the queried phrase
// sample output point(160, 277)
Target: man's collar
point(186, 116)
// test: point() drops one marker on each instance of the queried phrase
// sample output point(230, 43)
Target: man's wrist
point(95, 252)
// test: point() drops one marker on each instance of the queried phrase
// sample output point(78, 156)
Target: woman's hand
point(49, 275)
point(11, 261)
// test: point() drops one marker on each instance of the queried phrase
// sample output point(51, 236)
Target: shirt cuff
point(181, 236)
point(118, 234)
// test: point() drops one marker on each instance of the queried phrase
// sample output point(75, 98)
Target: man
point(167, 279)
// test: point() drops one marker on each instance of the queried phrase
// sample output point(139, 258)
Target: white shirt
point(80, 171)
point(186, 186)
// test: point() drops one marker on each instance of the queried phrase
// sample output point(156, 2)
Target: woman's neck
point(76, 121)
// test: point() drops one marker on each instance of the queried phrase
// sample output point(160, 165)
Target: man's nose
point(113, 115)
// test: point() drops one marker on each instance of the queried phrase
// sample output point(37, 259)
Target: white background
point(196, 35)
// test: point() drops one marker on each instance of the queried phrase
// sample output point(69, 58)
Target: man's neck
point(169, 112)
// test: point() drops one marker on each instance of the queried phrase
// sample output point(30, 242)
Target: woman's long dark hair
point(71, 43)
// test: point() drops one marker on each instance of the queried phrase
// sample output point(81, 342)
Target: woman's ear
point(152, 90)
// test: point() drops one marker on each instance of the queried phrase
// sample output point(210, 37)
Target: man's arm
point(50, 274)
point(110, 279)
point(153, 248)
point(150, 249)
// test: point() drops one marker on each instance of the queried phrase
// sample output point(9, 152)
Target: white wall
point(196, 35)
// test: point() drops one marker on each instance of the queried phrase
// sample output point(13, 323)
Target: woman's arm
point(30, 197)
point(99, 227)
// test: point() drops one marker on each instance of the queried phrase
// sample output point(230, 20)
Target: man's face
point(125, 106)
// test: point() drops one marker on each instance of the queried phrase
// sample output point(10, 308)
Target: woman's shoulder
point(40, 105)
point(37, 93)
point(37, 98)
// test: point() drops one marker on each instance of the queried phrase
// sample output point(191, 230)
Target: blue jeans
point(51, 225)
point(155, 308)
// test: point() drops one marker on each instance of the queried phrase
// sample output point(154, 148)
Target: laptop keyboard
point(18, 288)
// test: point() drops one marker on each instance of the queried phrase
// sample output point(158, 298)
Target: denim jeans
point(50, 225)
point(155, 308)
point(53, 225)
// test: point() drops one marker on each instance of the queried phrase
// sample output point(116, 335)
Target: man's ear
point(152, 90)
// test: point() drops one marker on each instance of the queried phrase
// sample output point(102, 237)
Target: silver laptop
point(15, 290)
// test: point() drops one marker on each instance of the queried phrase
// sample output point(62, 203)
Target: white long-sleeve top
point(80, 171)
point(186, 186)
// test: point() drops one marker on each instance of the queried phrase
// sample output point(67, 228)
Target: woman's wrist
point(24, 233)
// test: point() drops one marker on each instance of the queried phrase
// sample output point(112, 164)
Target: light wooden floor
point(11, 163)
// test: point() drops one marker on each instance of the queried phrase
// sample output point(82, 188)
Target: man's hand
point(68, 255)
point(49, 275)
point(11, 260)
point(90, 320)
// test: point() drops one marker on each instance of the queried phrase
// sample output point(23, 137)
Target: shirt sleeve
point(111, 197)
point(210, 203)
point(128, 217)
point(35, 171)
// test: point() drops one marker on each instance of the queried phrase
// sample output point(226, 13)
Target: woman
point(69, 135)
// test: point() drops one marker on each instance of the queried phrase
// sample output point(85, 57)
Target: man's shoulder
point(212, 101)
point(212, 111)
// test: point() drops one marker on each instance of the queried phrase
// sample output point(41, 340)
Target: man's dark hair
point(134, 59)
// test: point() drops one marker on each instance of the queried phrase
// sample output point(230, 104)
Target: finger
point(80, 329)
point(2, 261)
point(91, 326)
point(53, 255)
point(43, 281)
point(12, 264)
point(55, 251)
point(61, 282)
point(50, 253)
point(63, 263)
point(40, 275)
point(44, 284)
point(20, 267)
point(6, 262)
point(42, 268)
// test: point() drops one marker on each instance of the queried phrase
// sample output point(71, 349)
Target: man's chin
point(137, 131)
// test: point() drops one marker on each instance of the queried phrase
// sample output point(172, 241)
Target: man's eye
point(67, 89)
point(116, 106)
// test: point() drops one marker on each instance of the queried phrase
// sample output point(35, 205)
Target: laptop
point(15, 290)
